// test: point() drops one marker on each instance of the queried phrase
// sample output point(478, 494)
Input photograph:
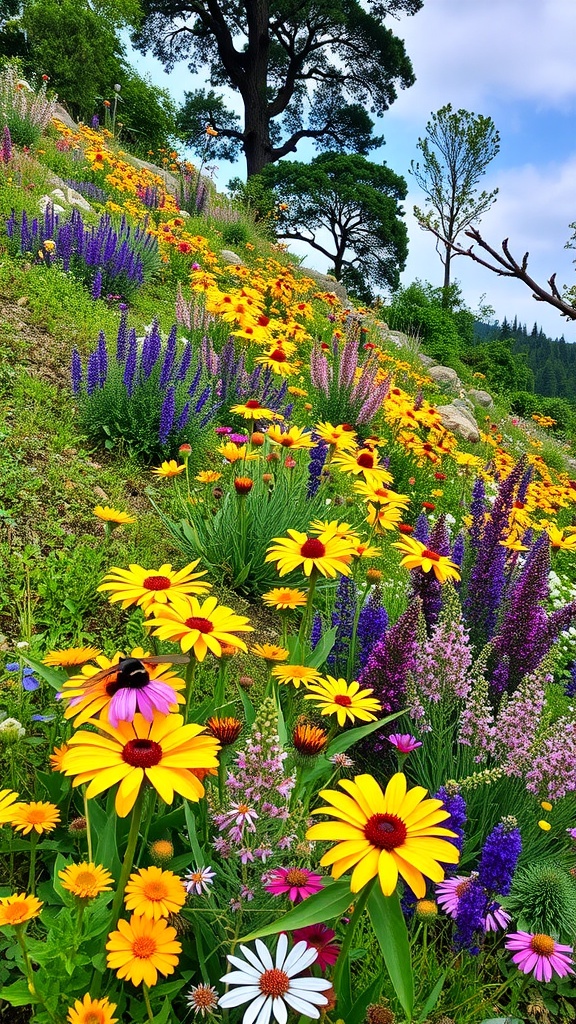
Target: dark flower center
point(296, 876)
point(385, 831)
point(433, 555)
point(278, 355)
point(202, 625)
point(343, 699)
point(313, 548)
point(142, 753)
point(366, 460)
point(274, 983)
point(157, 583)
point(252, 403)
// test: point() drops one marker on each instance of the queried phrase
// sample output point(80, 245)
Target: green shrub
point(22, 131)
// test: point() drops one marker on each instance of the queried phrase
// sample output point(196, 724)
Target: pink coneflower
point(540, 954)
point(319, 937)
point(223, 430)
point(495, 918)
point(138, 695)
point(449, 892)
point(297, 882)
point(404, 742)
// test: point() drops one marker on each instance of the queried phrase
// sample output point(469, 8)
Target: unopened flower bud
point(246, 682)
point(161, 851)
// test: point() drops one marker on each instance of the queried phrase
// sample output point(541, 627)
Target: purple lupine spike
point(24, 233)
point(570, 684)
point(319, 370)
point(424, 584)
point(372, 625)
point(455, 804)
point(209, 415)
point(169, 358)
point(205, 395)
point(348, 363)
point(76, 371)
point(96, 291)
point(195, 381)
point(499, 857)
point(524, 484)
point(315, 466)
point(477, 510)
point(183, 309)
point(421, 530)
point(131, 362)
point(65, 245)
point(391, 659)
point(167, 414)
point(92, 372)
point(184, 364)
point(523, 637)
point(11, 224)
point(472, 905)
point(457, 555)
point(343, 618)
point(316, 632)
point(122, 336)
point(102, 358)
point(151, 350)
point(183, 417)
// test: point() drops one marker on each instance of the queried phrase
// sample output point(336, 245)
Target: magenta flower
point(155, 695)
point(320, 938)
point(540, 954)
point(404, 742)
point(495, 918)
point(448, 894)
point(572, 833)
point(297, 882)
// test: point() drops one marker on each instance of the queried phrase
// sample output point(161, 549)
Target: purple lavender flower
point(455, 804)
point(96, 291)
point(184, 363)
point(388, 665)
point(151, 350)
point(343, 619)
point(570, 684)
point(421, 530)
point(499, 857)
point(167, 414)
point(523, 635)
point(93, 372)
point(372, 625)
point(470, 916)
point(169, 358)
point(183, 417)
point(316, 632)
point(76, 371)
point(315, 466)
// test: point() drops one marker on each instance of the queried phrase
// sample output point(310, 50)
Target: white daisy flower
point(268, 987)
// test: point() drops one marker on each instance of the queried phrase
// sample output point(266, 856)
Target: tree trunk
point(446, 285)
point(257, 145)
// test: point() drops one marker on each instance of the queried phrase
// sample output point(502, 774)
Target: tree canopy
point(347, 208)
point(303, 69)
point(456, 151)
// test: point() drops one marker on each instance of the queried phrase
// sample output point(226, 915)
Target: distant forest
point(552, 360)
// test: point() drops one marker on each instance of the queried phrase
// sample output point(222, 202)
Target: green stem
point(221, 682)
point(349, 935)
point(146, 994)
point(88, 832)
point(32, 871)
point(147, 823)
point(307, 614)
point(27, 965)
point(128, 859)
point(190, 672)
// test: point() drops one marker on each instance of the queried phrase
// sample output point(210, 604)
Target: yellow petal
point(387, 872)
point(367, 794)
point(365, 870)
point(334, 831)
point(395, 794)
point(412, 876)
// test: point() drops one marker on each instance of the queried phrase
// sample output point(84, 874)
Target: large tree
point(303, 69)
point(456, 151)
point(347, 208)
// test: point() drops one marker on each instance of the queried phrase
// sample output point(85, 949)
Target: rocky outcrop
point(328, 284)
point(445, 376)
point(482, 398)
point(460, 421)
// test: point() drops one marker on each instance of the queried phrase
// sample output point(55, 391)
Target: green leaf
point(107, 845)
point(192, 834)
point(390, 930)
point(432, 998)
point(50, 675)
point(322, 649)
point(357, 1014)
point(249, 710)
point(324, 906)
point(18, 994)
point(164, 1015)
point(345, 740)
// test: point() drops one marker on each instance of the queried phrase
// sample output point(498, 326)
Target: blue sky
point(513, 60)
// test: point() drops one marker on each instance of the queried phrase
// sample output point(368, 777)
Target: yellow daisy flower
point(169, 469)
point(559, 540)
point(200, 628)
point(270, 652)
point(284, 598)
point(18, 909)
point(56, 757)
point(39, 817)
point(92, 1011)
point(236, 452)
point(7, 802)
point(164, 753)
point(252, 410)
point(146, 587)
point(342, 437)
point(386, 517)
point(207, 476)
point(327, 554)
point(86, 880)
point(295, 438)
point(154, 893)
point(363, 461)
point(384, 834)
point(418, 556)
point(71, 657)
point(296, 674)
point(141, 949)
point(277, 360)
point(380, 495)
point(345, 700)
point(112, 515)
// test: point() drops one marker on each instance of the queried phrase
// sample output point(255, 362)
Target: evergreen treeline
point(552, 360)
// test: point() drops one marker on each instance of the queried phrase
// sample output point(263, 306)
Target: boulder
point(426, 360)
point(459, 421)
point(328, 284)
point(231, 257)
point(445, 376)
point(45, 201)
point(482, 398)
point(397, 338)
point(465, 404)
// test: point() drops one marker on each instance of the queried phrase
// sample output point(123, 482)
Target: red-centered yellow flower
point(295, 438)
point(154, 893)
point(87, 695)
point(18, 909)
point(327, 554)
point(71, 657)
point(342, 437)
point(236, 452)
point(86, 880)
point(363, 461)
point(164, 753)
point(384, 834)
point(559, 540)
point(169, 469)
point(145, 587)
point(381, 495)
point(113, 515)
point(345, 700)
point(92, 1011)
point(418, 556)
point(7, 802)
point(277, 360)
point(252, 410)
point(284, 598)
point(142, 949)
point(365, 550)
point(38, 816)
point(386, 517)
point(296, 674)
point(270, 652)
point(200, 627)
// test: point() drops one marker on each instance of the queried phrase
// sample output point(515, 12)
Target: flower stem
point(307, 614)
point(32, 870)
point(88, 832)
point(128, 859)
point(349, 934)
point(146, 994)
point(190, 671)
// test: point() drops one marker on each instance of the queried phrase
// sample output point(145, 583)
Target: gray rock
point(398, 338)
point(463, 403)
point(45, 201)
point(230, 257)
point(482, 398)
point(445, 375)
point(459, 421)
point(426, 360)
point(62, 115)
point(328, 284)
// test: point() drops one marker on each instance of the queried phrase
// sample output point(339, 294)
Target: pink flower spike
point(540, 954)
point(298, 883)
point(404, 742)
point(320, 938)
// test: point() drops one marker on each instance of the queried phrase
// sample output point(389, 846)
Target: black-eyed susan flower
point(142, 949)
point(363, 461)
point(327, 554)
point(284, 598)
point(164, 753)
point(385, 834)
point(341, 437)
point(270, 652)
point(17, 909)
point(7, 801)
point(38, 816)
point(295, 437)
point(296, 674)
point(154, 893)
point(169, 469)
point(86, 880)
point(199, 627)
point(345, 700)
point(146, 587)
point(384, 517)
point(71, 657)
point(418, 556)
point(252, 410)
point(92, 1011)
